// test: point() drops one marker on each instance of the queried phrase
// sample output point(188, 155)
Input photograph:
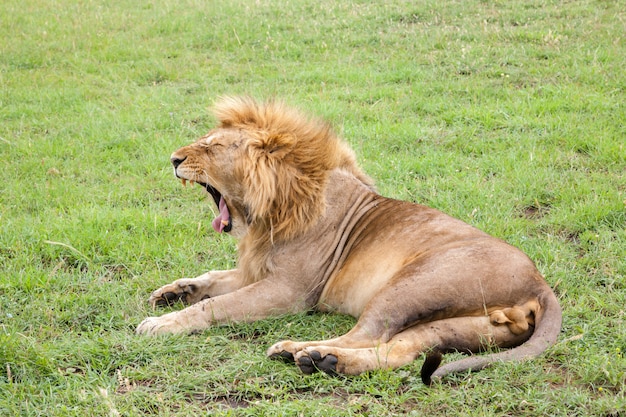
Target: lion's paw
point(153, 326)
point(184, 290)
point(282, 350)
point(311, 360)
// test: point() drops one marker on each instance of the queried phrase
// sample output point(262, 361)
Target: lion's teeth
point(191, 182)
point(225, 222)
point(184, 181)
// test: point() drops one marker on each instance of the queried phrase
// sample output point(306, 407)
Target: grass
point(507, 114)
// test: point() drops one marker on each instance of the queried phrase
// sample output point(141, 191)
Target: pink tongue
point(222, 220)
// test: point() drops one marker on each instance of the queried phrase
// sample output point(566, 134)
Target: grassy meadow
point(510, 115)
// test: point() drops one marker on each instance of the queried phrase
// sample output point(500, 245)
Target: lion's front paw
point(185, 290)
point(152, 326)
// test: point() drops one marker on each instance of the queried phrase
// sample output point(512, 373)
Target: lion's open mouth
point(222, 223)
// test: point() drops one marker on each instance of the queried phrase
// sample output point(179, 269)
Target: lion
point(313, 233)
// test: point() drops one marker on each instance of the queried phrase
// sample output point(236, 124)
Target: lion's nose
point(176, 161)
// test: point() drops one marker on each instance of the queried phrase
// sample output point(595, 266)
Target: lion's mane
point(283, 174)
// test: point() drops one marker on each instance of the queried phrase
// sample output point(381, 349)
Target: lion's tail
point(548, 326)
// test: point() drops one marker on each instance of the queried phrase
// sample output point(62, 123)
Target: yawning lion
point(314, 233)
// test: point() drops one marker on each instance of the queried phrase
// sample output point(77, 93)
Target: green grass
point(507, 114)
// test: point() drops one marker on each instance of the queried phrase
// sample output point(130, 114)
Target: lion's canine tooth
point(184, 181)
point(191, 182)
point(225, 222)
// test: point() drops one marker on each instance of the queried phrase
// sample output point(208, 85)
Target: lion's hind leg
point(464, 334)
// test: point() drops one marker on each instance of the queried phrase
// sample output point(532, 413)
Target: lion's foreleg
point(193, 290)
point(256, 301)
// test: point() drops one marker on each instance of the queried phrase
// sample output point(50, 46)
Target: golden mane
point(288, 158)
point(284, 173)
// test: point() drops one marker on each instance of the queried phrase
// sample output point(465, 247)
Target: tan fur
point(313, 233)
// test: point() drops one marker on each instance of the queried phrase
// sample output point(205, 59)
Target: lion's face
point(211, 163)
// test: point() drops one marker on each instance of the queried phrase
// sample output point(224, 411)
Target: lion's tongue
point(222, 220)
